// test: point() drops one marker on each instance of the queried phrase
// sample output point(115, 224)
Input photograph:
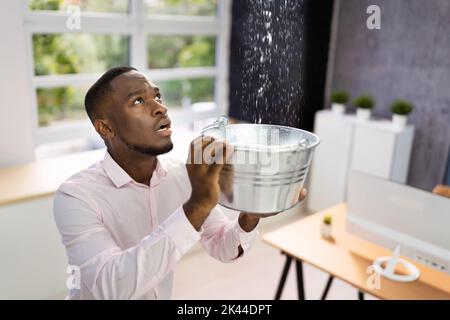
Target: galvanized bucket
point(268, 168)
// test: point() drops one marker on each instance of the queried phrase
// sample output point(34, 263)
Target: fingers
point(301, 197)
point(303, 194)
point(220, 150)
point(262, 215)
point(229, 152)
point(216, 156)
point(211, 152)
point(196, 149)
point(269, 214)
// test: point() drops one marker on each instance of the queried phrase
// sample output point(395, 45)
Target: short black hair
point(101, 88)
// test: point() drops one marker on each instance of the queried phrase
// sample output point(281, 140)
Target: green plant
point(401, 107)
point(328, 219)
point(364, 102)
point(339, 96)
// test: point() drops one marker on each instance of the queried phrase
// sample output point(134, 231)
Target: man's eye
point(159, 99)
point(138, 101)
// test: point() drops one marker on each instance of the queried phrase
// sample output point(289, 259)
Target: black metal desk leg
point(283, 277)
point(327, 288)
point(360, 295)
point(301, 289)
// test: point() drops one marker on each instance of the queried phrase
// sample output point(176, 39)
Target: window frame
point(138, 26)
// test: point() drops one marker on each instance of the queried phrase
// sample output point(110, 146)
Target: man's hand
point(442, 190)
point(249, 221)
point(204, 163)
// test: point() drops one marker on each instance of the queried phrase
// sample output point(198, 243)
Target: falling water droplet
point(271, 81)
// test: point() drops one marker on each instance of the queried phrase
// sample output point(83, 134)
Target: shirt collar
point(120, 177)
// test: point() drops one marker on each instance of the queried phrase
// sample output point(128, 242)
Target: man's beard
point(147, 150)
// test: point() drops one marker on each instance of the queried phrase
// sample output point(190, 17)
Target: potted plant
point(325, 228)
point(338, 100)
point(364, 103)
point(400, 110)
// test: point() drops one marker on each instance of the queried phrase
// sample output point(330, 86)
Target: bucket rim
point(310, 146)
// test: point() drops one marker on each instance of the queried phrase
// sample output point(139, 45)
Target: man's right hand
point(204, 163)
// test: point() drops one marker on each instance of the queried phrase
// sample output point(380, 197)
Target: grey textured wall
point(408, 58)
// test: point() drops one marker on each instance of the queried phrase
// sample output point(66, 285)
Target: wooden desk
point(42, 178)
point(301, 241)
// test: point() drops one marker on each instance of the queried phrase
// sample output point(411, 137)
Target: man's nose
point(159, 110)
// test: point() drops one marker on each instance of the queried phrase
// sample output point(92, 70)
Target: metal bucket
point(268, 168)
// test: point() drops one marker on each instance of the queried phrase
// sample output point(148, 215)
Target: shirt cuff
point(246, 239)
point(180, 230)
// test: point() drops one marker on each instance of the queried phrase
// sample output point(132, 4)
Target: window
point(190, 7)
point(66, 53)
point(180, 51)
point(60, 104)
point(117, 6)
point(180, 44)
point(184, 93)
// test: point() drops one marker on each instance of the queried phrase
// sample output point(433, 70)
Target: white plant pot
point(399, 120)
point(338, 108)
point(363, 114)
point(325, 230)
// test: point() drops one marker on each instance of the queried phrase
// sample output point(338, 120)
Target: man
point(128, 219)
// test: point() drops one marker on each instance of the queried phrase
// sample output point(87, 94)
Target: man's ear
point(103, 127)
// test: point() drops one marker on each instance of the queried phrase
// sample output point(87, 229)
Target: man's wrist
point(195, 213)
point(248, 222)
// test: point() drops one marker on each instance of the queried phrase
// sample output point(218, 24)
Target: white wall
point(16, 108)
point(32, 258)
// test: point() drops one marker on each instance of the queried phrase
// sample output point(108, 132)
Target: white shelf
point(373, 146)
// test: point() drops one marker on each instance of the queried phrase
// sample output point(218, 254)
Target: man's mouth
point(164, 128)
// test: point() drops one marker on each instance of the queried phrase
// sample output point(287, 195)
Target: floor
point(255, 276)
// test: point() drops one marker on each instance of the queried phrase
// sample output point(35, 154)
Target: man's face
point(138, 117)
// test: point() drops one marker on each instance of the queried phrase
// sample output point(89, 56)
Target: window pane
point(67, 103)
point(114, 6)
point(181, 51)
point(184, 93)
point(56, 149)
point(182, 7)
point(78, 52)
point(60, 104)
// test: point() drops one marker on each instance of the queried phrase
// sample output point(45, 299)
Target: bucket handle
point(220, 124)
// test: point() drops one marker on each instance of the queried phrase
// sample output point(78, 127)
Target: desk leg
point(327, 288)
point(360, 295)
point(283, 277)
point(301, 290)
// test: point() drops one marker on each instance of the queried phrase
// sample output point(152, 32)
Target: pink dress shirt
point(126, 237)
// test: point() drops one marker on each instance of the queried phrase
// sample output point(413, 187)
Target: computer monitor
point(389, 214)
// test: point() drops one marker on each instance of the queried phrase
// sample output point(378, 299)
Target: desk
point(301, 241)
point(42, 178)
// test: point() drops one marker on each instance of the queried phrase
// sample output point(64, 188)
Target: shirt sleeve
point(221, 236)
point(106, 270)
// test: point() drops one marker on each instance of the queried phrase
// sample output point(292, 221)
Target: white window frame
point(138, 25)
